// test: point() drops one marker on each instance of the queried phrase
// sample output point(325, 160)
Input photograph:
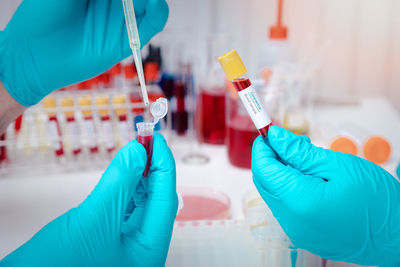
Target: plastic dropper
point(134, 43)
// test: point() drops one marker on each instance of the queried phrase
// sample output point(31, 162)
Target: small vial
point(145, 137)
point(72, 126)
point(3, 149)
point(159, 110)
point(235, 71)
point(85, 102)
point(118, 101)
point(53, 126)
point(103, 103)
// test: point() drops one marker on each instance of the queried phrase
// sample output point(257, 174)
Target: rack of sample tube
point(75, 130)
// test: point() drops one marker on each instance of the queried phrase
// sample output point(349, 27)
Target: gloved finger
point(153, 20)
point(162, 202)
point(119, 182)
point(275, 179)
point(299, 153)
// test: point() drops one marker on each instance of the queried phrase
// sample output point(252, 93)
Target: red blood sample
point(3, 149)
point(58, 150)
point(179, 114)
point(75, 151)
point(196, 207)
point(18, 123)
point(211, 116)
point(147, 142)
point(241, 134)
point(242, 84)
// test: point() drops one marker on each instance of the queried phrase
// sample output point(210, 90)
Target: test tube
point(120, 100)
point(235, 71)
point(53, 126)
point(3, 149)
point(72, 126)
point(85, 102)
point(103, 103)
point(145, 137)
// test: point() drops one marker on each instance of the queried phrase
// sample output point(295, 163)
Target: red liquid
point(17, 125)
point(60, 151)
point(3, 149)
point(147, 142)
point(202, 208)
point(241, 134)
point(211, 117)
point(75, 151)
point(180, 116)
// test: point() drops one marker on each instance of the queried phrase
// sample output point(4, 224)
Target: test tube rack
point(31, 146)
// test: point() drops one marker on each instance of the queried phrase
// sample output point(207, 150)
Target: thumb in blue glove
point(126, 221)
point(50, 44)
point(335, 205)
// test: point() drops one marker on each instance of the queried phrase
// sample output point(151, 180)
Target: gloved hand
point(335, 205)
point(126, 221)
point(50, 44)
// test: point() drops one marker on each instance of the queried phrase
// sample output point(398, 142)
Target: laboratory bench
point(28, 202)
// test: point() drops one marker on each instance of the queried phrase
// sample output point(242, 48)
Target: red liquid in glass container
point(180, 116)
point(202, 208)
point(241, 134)
point(211, 116)
point(147, 142)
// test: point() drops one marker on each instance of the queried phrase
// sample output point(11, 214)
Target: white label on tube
point(253, 106)
point(108, 134)
point(90, 133)
point(54, 137)
point(73, 131)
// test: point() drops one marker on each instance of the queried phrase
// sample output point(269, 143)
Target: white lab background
point(362, 37)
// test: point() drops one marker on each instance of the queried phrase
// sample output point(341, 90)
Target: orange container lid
point(345, 145)
point(377, 149)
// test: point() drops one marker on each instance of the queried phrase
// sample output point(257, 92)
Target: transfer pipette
point(134, 43)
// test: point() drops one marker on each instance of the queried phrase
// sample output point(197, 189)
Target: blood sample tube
point(53, 126)
point(3, 149)
point(235, 71)
point(72, 126)
point(103, 103)
point(120, 109)
point(85, 102)
point(145, 137)
point(18, 124)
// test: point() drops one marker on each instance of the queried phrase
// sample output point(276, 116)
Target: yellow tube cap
point(50, 102)
point(119, 100)
point(232, 65)
point(103, 100)
point(68, 102)
point(377, 149)
point(85, 101)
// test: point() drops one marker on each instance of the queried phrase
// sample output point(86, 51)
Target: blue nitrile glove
point(335, 205)
point(50, 44)
point(109, 228)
